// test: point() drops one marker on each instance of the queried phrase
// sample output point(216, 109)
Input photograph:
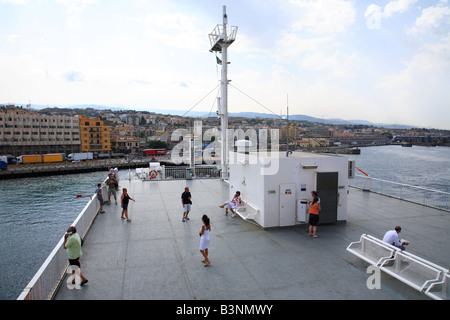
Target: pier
point(49, 169)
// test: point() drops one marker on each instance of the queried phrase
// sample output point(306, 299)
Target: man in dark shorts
point(186, 202)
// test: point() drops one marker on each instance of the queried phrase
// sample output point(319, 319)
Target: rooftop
point(156, 255)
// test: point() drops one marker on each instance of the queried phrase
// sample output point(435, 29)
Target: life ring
point(153, 174)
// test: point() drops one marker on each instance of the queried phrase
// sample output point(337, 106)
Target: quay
point(156, 255)
point(49, 169)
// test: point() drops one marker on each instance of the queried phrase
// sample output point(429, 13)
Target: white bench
point(247, 210)
point(413, 270)
point(440, 290)
point(371, 250)
point(416, 272)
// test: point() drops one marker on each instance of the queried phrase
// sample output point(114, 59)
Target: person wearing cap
point(111, 182)
point(391, 237)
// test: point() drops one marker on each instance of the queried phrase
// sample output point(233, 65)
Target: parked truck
point(80, 156)
point(3, 162)
point(33, 158)
point(39, 158)
point(153, 152)
point(53, 157)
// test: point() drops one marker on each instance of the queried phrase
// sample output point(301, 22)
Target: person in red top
point(314, 208)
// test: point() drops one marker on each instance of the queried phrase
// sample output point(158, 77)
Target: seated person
point(233, 204)
point(391, 237)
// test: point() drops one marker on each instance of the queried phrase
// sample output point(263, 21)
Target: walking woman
point(314, 208)
point(204, 239)
point(125, 199)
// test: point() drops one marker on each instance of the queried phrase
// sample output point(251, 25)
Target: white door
point(287, 204)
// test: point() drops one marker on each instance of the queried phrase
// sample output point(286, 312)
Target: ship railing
point(415, 194)
point(50, 275)
point(197, 172)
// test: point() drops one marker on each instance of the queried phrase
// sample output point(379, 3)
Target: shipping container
point(154, 152)
point(53, 157)
point(80, 156)
point(33, 158)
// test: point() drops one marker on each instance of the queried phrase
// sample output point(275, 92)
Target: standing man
point(99, 193)
point(391, 237)
point(112, 183)
point(186, 202)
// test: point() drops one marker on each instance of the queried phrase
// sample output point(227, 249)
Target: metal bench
point(440, 290)
point(246, 210)
point(372, 250)
point(412, 270)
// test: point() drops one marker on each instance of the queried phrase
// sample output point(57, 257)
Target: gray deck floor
point(156, 255)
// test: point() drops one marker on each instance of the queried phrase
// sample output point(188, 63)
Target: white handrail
point(46, 281)
point(430, 197)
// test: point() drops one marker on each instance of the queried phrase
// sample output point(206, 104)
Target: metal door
point(287, 205)
point(327, 188)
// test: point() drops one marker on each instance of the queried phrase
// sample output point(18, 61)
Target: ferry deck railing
point(198, 172)
point(419, 195)
point(50, 275)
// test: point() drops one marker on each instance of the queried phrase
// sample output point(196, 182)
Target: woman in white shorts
point(204, 239)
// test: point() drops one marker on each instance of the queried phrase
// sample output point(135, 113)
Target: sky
point(384, 61)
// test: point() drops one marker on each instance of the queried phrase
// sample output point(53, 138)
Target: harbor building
point(24, 131)
point(95, 136)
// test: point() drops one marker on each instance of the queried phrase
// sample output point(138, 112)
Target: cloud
point(74, 10)
point(176, 30)
point(432, 19)
point(316, 54)
point(324, 16)
point(74, 76)
point(374, 13)
point(422, 86)
point(11, 38)
point(399, 6)
point(16, 1)
point(138, 81)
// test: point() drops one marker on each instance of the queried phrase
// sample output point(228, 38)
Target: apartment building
point(95, 136)
point(23, 131)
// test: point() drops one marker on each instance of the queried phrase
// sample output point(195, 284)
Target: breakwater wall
point(37, 170)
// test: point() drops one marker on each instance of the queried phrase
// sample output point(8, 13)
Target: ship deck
point(156, 255)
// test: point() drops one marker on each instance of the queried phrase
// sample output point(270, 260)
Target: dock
point(156, 255)
point(66, 167)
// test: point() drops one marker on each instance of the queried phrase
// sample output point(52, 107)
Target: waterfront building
point(24, 131)
point(125, 143)
point(95, 136)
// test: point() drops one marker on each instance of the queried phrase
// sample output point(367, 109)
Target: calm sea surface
point(418, 166)
point(36, 212)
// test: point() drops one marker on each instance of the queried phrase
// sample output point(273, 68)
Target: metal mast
point(220, 41)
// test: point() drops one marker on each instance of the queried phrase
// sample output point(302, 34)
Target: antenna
point(287, 127)
point(220, 40)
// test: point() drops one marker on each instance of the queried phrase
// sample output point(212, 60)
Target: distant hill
point(336, 121)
